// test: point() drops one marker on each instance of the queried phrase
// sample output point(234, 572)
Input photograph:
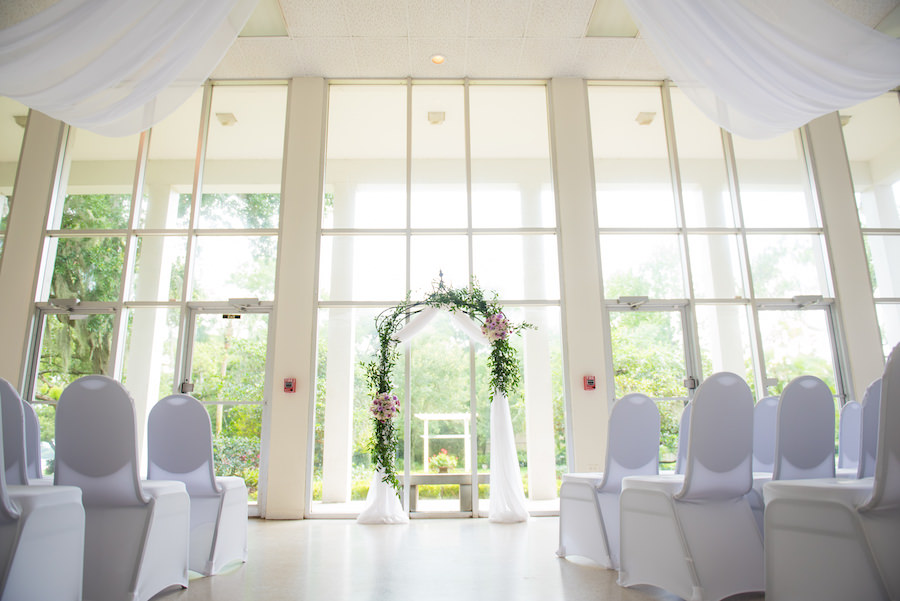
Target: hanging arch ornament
point(502, 361)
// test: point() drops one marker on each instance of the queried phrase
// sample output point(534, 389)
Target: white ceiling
point(530, 39)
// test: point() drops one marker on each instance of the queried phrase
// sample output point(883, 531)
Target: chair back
point(720, 444)
point(868, 442)
point(633, 443)
point(684, 428)
point(13, 435)
point(179, 444)
point(96, 444)
point(886, 490)
point(764, 414)
point(804, 431)
point(849, 435)
point(32, 442)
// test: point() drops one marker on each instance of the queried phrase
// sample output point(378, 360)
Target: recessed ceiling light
point(226, 119)
point(645, 118)
point(438, 59)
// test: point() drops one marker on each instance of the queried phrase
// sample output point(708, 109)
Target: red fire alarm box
point(290, 384)
point(590, 383)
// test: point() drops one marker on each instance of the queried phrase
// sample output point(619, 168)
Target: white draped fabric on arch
point(507, 500)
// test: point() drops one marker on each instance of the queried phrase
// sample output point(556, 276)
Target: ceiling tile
point(376, 18)
point(497, 18)
point(438, 18)
point(452, 49)
point(548, 57)
point(382, 57)
point(233, 65)
point(493, 58)
point(331, 57)
point(314, 18)
point(551, 18)
point(269, 57)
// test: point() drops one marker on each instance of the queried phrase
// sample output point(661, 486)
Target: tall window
point(147, 245)
point(872, 137)
point(712, 252)
point(13, 116)
point(425, 182)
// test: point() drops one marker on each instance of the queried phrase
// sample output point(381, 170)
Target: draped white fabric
point(507, 496)
point(416, 324)
point(116, 67)
point(759, 68)
point(382, 504)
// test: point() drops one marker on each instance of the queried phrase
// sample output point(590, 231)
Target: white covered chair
point(684, 429)
point(14, 455)
point(804, 438)
point(764, 416)
point(694, 534)
point(849, 436)
point(869, 419)
point(136, 532)
point(589, 502)
point(179, 445)
point(41, 542)
point(33, 445)
point(834, 539)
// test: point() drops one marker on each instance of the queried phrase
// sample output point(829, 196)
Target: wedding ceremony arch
point(482, 319)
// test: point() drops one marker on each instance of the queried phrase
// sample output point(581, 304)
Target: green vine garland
point(502, 361)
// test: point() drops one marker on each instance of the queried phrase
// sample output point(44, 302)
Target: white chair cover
point(764, 415)
point(589, 503)
point(832, 539)
point(684, 429)
point(849, 436)
point(180, 447)
point(507, 494)
point(15, 462)
point(136, 533)
point(868, 444)
point(804, 431)
point(382, 504)
point(32, 443)
point(694, 535)
point(41, 542)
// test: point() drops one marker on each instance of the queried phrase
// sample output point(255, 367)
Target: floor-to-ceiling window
point(712, 252)
point(872, 138)
point(159, 264)
point(426, 182)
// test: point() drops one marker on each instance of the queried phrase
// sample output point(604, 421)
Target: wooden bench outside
point(464, 481)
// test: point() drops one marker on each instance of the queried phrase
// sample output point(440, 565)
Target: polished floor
point(435, 559)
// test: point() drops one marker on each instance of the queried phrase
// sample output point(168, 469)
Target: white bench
point(464, 481)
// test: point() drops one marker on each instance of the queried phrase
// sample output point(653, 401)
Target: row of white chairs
point(699, 533)
point(109, 534)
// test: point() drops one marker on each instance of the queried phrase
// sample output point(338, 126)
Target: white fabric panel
point(507, 494)
point(382, 504)
point(759, 68)
point(868, 444)
point(849, 435)
point(416, 324)
point(804, 431)
point(764, 434)
point(472, 330)
point(116, 67)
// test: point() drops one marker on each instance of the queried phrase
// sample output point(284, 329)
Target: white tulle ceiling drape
point(116, 67)
point(759, 68)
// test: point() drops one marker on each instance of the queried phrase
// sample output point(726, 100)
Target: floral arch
point(472, 308)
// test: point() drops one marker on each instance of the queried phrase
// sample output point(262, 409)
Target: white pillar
point(582, 299)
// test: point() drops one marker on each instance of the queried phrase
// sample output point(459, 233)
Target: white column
point(582, 299)
point(20, 266)
point(854, 302)
point(294, 344)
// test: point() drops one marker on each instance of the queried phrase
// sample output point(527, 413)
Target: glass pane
point(785, 265)
point(773, 182)
point(889, 321)
point(431, 256)
point(716, 266)
point(362, 268)
point(517, 267)
point(872, 138)
point(648, 353)
point(796, 343)
point(234, 266)
point(150, 346)
point(512, 181)
point(159, 268)
point(669, 427)
point(70, 348)
point(365, 157)
point(170, 168)
point(242, 168)
point(12, 133)
point(438, 157)
point(883, 265)
point(631, 164)
point(346, 339)
point(642, 265)
point(89, 269)
point(724, 335)
point(229, 366)
point(99, 183)
point(701, 160)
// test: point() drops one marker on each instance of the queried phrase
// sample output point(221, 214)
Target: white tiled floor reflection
point(440, 559)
